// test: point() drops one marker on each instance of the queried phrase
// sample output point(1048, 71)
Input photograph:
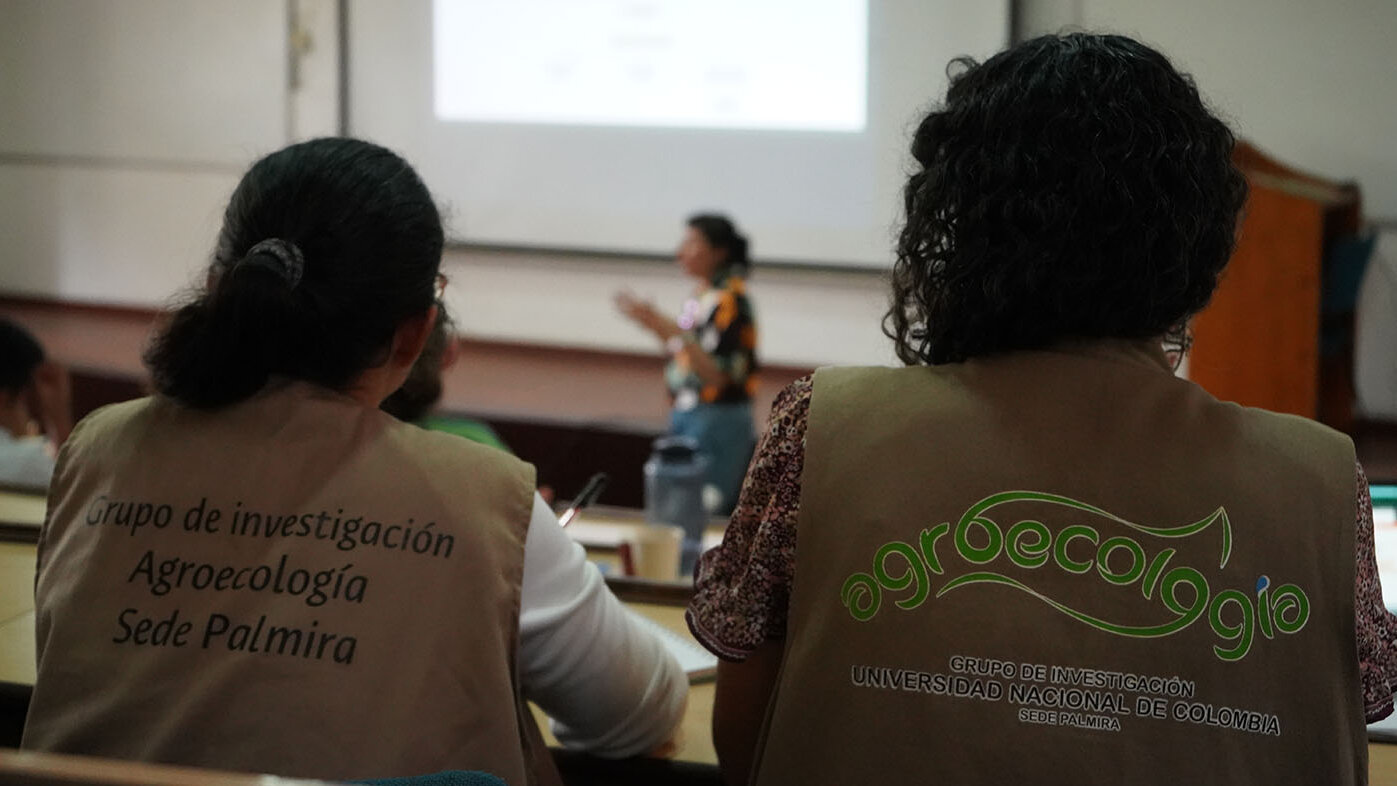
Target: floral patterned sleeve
point(1375, 627)
point(743, 587)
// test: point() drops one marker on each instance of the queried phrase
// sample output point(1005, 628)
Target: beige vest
point(1066, 567)
point(295, 585)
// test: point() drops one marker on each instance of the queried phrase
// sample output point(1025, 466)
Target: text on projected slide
point(791, 65)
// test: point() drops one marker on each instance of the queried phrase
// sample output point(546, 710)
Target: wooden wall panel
point(1257, 342)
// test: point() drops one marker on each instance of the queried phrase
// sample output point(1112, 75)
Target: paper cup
point(655, 550)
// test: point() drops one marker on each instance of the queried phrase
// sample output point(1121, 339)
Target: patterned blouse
point(743, 586)
point(720, 320)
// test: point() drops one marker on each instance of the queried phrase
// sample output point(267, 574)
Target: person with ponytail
point(712, 350)
point(258, 569)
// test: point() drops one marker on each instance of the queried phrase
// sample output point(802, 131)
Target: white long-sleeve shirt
point(610, 686)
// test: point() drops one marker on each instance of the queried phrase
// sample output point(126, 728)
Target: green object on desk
point(472, 430)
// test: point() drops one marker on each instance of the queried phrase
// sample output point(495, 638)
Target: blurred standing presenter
point(712, 349)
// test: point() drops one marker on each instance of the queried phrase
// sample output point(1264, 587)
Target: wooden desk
point(21, 515)
point(22, 507)
point(603, 527)
point(17, 563)
point(601, 530)
point(17, 613)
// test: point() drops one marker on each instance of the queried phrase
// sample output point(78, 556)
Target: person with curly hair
point(1034, 554)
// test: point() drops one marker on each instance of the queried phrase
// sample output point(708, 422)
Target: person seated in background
point(27, 447)
point(258, 569)
point(1035, 555)
point(712, 350)
point(415, 401)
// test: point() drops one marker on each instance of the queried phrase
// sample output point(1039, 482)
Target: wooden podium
point(1258, 341)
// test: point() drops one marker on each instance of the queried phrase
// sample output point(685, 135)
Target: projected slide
point(596, 125)
point(788, 65)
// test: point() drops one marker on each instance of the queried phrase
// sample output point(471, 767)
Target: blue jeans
point(725, 435)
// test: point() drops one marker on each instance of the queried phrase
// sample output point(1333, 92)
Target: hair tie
point(279, 255)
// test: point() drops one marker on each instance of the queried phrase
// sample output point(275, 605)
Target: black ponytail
point(720, 233)
point(224, 346)
point(326, 247)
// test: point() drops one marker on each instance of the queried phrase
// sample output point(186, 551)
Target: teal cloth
point(443, 778)
point(1344, 266)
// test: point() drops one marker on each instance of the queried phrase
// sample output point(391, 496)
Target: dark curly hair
point(1070, 187)
point(20, 354)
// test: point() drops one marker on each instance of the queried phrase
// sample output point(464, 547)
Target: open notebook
point(1385, 544)
point(697, 662)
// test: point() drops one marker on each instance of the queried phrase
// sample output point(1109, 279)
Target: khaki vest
point(294, 584)
point(1066, 567)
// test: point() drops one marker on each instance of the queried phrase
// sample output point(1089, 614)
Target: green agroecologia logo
point(979, 540)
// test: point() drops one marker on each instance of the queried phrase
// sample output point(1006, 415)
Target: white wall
point(148, 81)
point(126, 126)
point(1312, 83)
point(123, 129)
point(106, 233)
